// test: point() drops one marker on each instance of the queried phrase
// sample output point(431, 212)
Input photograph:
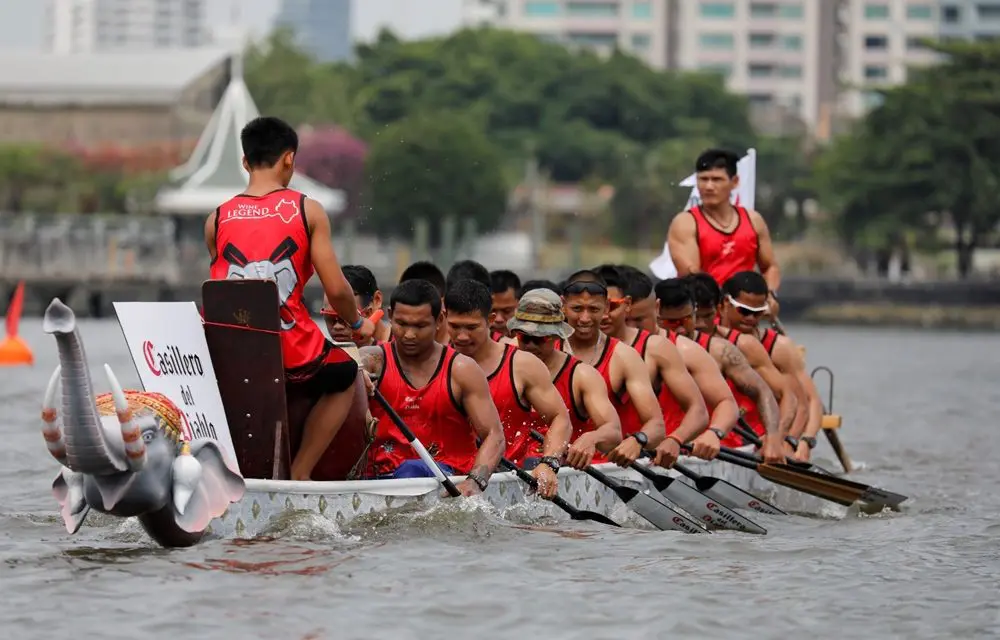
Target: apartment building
point(969, 20)
point(323, 27)
point(91, 26)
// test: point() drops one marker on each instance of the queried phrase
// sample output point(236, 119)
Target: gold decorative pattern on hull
point(389, 499)
point(288, 503)
point(323, 504)
point(356, 502)
point(240, 527)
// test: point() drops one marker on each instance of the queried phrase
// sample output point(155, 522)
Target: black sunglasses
point(593, 288)
point(529, 339)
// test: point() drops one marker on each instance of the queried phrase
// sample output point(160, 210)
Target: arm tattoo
point(749, 383)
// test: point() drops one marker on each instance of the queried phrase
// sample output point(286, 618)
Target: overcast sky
point(22, 21)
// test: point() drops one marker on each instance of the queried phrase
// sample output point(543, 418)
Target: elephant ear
point(219, 486)
point(68, 491)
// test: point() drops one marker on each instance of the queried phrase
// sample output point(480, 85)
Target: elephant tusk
point(51, 424)
point(135, 448)
point(187, 475)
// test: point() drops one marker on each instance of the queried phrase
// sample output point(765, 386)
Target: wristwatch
point(640, 437)
point(774, 294)
point(481, 482)
point(718, 432)
point(792, 441)
point(552, 462)
point(809, 441)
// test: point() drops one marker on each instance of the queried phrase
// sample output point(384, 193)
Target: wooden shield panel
point(242, 330)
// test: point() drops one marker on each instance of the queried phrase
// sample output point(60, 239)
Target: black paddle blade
point(593, 516)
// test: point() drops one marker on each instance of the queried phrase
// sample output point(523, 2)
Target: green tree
point(431, 167)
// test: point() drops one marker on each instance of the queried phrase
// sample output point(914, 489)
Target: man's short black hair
point(265, 139)
point(538, 284)
point(362, 280)
point(424, 270)
point(468, 296)
point(717, 159)
point(503, 280)
point(612, 276)
point(673, 293)
point(704, 289)
point(467, 270)
point(638, 285)
point(584, 275)
point(746, 282)
point(416, 293)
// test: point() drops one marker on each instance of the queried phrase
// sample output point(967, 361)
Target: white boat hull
point(342, 502)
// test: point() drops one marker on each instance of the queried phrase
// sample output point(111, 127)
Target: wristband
point(357, 325)
point(676, 439)
point(774, 294)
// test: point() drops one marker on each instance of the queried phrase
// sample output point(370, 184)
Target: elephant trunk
point(87, 450)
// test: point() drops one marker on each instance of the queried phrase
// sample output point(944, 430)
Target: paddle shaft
point(746, 432)
point(574, 513)
point(427, 458)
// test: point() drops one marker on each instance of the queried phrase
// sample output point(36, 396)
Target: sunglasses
point(614, 303)
point(593, 288)
point(524, 338)
point(672, 323)
point(747, 310)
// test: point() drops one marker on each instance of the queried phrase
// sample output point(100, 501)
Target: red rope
point(241, 327)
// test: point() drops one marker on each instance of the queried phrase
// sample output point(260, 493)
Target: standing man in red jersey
point(272, 232)
point(443, 396)
point(718, 238)
point(519, 383)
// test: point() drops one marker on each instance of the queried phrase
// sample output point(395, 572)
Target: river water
point(920, 413)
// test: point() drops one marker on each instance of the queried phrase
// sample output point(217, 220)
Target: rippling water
point(920, 415)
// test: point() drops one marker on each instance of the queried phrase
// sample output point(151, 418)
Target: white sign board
point(168, 347)
point(743, 196)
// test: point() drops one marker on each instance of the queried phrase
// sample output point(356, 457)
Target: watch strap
point(552, 462)
point(809, 440)
point(479, 480)
point(718, 432)
point(792, 441)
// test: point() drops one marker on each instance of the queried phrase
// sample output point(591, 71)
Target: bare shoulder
point(315, 214)
point(757, 220)
point(627, 355)
point(527, 366)
point(372, 359)
point(683, 222)
point(465, 371)
point(588, 376)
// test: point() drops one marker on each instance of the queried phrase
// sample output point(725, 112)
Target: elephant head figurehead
point(125, 453)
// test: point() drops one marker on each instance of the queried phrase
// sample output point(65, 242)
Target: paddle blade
point(593, 517)
point(734, 497)
point(15, 309)
point(711, 512)
point(815, 486)
point(660, 515)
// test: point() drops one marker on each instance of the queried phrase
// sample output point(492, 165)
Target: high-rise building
point(79, 26)
point(322, 27)
point(969, 20)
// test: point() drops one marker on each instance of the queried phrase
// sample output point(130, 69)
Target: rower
point(519, 383)
point(585, 303)
point(272, 232)
point(706, 292)
point(369, 300)
point(678, 314)
point(536, 325)
point(718, 397)
point(440, 394)
point(745, 294)
point(424, 270)
point(718, 238)
point(504, 286)
point(642, 307)
point(683, 407)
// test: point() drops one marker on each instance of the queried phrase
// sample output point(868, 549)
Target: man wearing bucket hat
point(537, 325)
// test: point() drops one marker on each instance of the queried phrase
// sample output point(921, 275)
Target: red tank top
point(496, 336)
point(267, 237)
point(732, 439)
point(672, 412)
point(748, 408)
point(723, 255)
point(431, 412)
point(627, 414)
point(563, 382)
point(516, 416)
point(769, 339)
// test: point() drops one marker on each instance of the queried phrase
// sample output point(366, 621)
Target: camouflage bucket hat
point(539, 313)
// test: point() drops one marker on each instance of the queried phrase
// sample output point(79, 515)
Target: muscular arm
point(712, 385)
point(757, 356)
point(683, 244)
point(324, 258)
point(793, 365)
point(631, 368)
point(210, 234)
point(736, 368)
point(594, 395)
point(541, 394)
point(765, 252)
point(474, 395)
point(674, 374)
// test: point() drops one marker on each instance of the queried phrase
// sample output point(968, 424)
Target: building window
point(593, 39)
point(592, 9)
point(763, 9)
point(789, 10)
point(876, 72)
point(640, 40)
point(761, 70)
point(790, 71)
point(951, 14)
point(915, 43)
point(720, 68)
point(791, 43)
point(541, 9)
point(718, 10)
point(919, 11)
point(876, 11)
point(761, 40)
point(760, 99)
point(716, 40)
point(642, 10)
point(988, 11)
point(876, 43)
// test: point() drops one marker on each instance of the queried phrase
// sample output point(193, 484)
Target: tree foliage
point(335, 158)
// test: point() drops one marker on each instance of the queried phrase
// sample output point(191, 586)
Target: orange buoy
point(14, 351)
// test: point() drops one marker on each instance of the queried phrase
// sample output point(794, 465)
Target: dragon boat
point(205, 447)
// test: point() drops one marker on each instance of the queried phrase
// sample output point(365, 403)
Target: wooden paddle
point(727, 493)
point(823, 486)
point(574, 513)
point(745, 432)
point(646, 505)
